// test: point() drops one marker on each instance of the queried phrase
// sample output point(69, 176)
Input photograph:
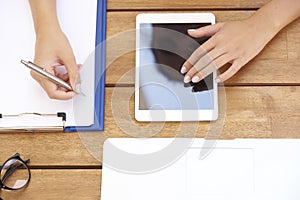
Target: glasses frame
point(12, 169)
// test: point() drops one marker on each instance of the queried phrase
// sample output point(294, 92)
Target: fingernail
point(76, 81)
point(78, 88)
point(191, 30)
point(195, 79)
point(183, 70)
point(187, 79)
point(73, 94)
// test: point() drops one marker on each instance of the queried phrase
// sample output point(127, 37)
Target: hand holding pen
point(43, 72)
point(52, 49)
point(48, 57)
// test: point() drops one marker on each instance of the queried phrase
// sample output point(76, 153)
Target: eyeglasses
point(15, 173)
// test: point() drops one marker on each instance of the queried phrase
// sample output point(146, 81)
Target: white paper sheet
point(248, 169)
point(19, 92)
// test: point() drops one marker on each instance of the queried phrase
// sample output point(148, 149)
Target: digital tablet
point(162, 46)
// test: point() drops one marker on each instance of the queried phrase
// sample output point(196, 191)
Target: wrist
point(276, 14)
point(264, 24)
point(47, 28)
point(44, 15)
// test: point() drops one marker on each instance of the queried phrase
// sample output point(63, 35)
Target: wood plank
point(47, 149)
point(252, 112)
point(281, 56)
point(59, 184)
point(182, 5)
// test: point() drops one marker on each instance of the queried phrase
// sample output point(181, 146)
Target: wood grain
point(47, 149)
point(251, 112)
point(59, 184)
point(278, 63)
point(182, 5)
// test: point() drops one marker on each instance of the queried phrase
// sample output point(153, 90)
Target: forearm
point(277, 14)
point(44, 15)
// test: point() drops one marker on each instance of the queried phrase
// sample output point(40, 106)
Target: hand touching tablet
point(237, 42)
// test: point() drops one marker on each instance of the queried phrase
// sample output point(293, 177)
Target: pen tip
point(24, 62)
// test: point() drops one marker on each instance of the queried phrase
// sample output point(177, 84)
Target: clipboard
point(58, 121)
point(99, 73)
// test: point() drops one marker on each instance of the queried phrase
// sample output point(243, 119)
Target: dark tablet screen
point(163, 49)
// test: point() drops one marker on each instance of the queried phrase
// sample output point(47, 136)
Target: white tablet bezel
point(172, 115)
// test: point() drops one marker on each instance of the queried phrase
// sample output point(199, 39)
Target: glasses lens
point(14, 174)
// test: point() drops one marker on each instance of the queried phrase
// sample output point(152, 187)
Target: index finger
point(196, 55)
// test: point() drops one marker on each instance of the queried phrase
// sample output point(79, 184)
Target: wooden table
point(262, 102)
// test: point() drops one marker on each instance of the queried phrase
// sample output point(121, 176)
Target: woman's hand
point(53, 49)
point(235, 42)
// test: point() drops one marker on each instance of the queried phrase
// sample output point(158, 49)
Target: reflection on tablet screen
point(164, 49)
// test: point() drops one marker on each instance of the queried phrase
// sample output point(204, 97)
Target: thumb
point(205, 31)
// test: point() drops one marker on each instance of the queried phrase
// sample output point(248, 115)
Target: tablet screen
point(164, 47)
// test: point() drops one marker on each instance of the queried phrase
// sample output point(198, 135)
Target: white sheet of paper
point(19, 92)
point(251, 169)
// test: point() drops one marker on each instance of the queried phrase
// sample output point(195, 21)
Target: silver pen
point(46, 74)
